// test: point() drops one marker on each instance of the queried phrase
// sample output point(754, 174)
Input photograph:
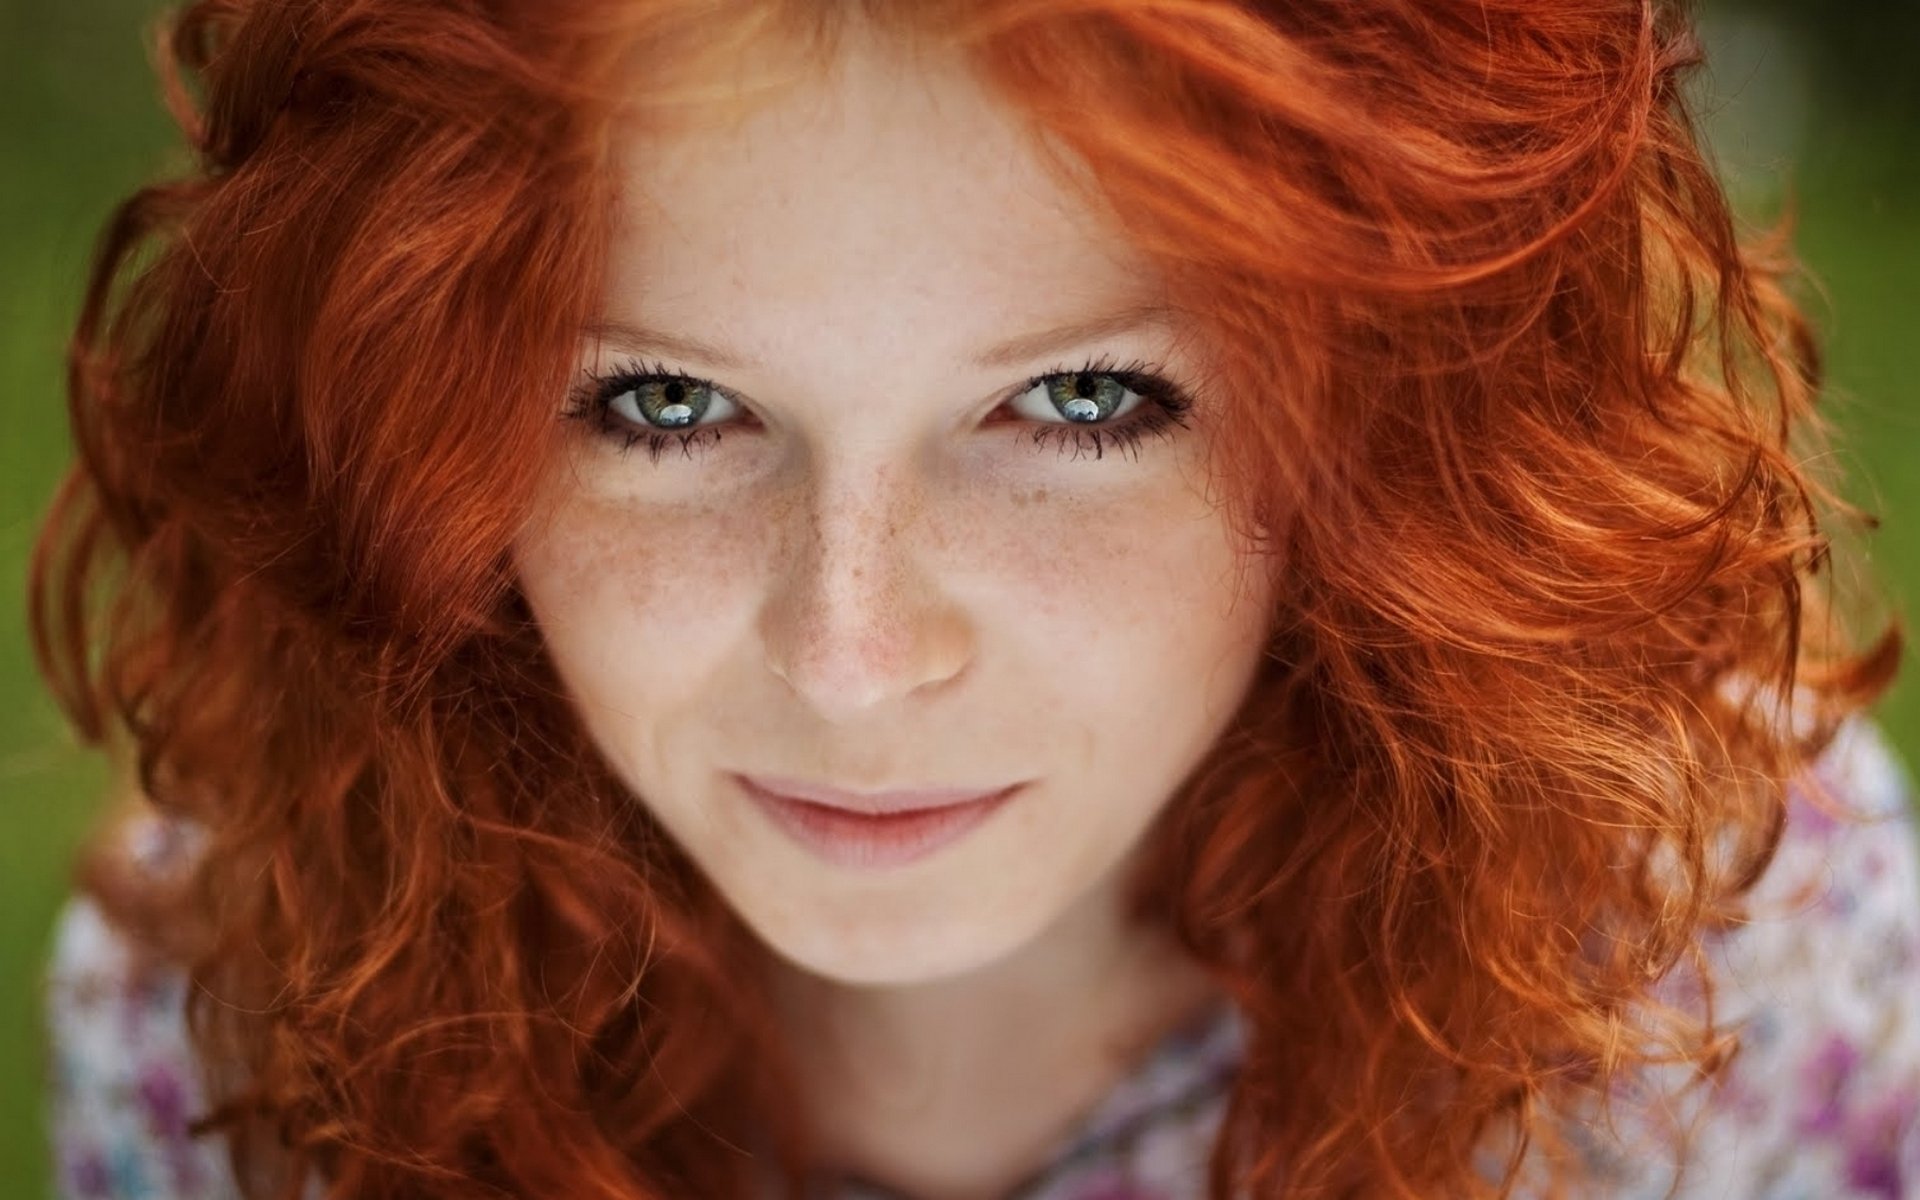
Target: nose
point(855, 618)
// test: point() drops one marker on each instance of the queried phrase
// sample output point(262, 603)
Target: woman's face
point(873, 554)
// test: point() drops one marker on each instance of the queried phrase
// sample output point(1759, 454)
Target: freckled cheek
point(1117, 615)
point(1121, 563)
point(630, 600)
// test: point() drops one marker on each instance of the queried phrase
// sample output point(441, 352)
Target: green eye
point(1105, 408)
point(664, 403)
point(1085, 396)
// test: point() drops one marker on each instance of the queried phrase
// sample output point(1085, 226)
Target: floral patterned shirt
point(1822, 1102)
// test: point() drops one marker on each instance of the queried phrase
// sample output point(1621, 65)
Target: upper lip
point(873, 803)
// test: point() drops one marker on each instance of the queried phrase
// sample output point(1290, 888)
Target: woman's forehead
point(867, 195)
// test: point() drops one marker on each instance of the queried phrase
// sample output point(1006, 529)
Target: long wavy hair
point(1530, 425)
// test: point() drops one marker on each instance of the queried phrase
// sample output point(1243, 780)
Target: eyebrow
point(1012, 352)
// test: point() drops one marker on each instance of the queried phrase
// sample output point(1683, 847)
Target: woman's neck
point(959, 1089)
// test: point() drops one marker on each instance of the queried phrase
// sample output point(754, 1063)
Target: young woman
point(963, 600)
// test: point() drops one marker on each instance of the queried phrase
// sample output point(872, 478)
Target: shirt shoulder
point(1822, 983)
point(121, 1079)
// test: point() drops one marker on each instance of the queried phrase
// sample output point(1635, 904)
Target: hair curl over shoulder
point(1528, 425)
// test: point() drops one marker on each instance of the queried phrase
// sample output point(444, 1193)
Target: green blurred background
point(1794, 97)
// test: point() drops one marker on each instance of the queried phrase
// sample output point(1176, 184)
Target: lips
point(868, 803)
point(872, 838)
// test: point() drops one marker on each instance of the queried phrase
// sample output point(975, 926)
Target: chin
point(887, 952)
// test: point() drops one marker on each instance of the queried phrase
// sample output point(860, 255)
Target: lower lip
point(855, 840)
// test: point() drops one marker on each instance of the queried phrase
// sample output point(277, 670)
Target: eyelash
point(1163, 409)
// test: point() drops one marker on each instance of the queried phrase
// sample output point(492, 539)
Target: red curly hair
point(1532, 426)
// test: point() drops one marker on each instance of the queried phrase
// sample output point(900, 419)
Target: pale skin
point(876, 579)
